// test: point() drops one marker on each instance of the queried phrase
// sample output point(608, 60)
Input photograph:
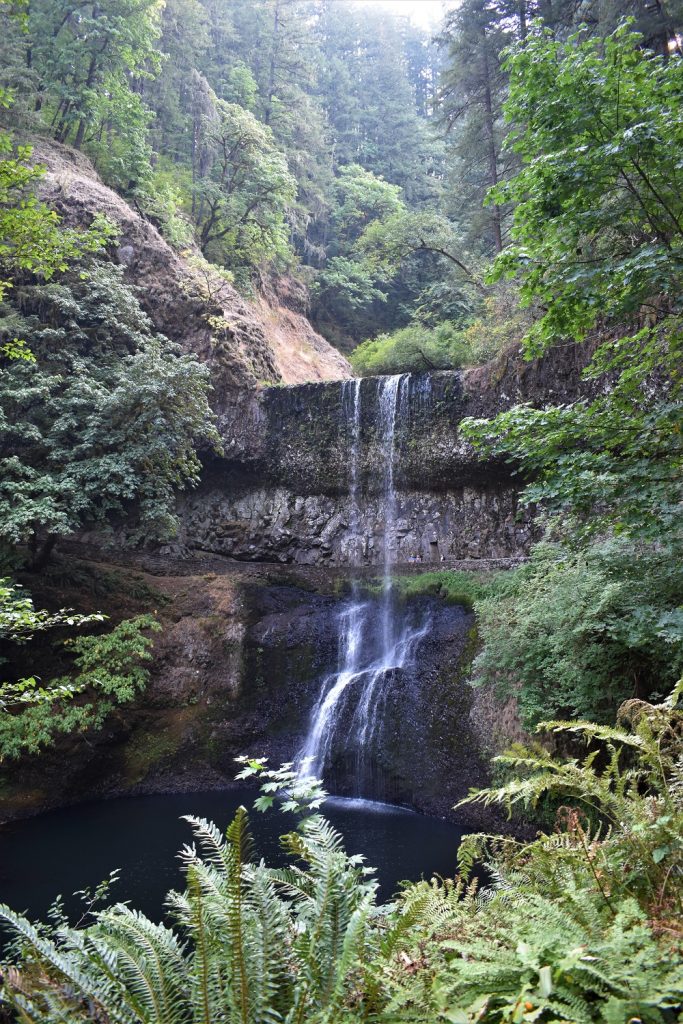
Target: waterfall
point(351, 408)
point(377, 641)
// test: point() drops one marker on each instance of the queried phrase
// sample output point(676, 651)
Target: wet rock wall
point(291, 495)
point(278, 525)
point(236, 670)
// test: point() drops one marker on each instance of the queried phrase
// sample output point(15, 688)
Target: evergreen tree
point(104, 418)
point(472, 91)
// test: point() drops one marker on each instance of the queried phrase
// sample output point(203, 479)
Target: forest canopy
point(323, 138)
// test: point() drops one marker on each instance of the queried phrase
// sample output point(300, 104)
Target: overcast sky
point(427, 13)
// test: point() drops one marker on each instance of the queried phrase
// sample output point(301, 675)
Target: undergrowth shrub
point(412, 349)
point(108, 671)
point(450, 586)
point(572, 634)
point(584, 923)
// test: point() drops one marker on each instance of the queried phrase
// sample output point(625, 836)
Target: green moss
point(451, 586)
point(146, 750)
point(95, 580)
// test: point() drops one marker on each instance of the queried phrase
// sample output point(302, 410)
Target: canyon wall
point(283, 399)
point(283, 490)
point(236, 670)
point(246, 342)
point(302, 482)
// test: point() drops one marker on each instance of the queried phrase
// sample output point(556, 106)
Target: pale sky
point(426, 13)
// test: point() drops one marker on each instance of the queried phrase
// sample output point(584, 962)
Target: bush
point(109, 671)
point(413, 349)
point(168, 202)
point(451, 587)
point(106, 413)
point(576, 633)
point(499, 324)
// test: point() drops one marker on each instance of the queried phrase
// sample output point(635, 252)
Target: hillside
point(265, 340)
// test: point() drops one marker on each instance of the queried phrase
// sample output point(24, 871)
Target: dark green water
point(72, 848)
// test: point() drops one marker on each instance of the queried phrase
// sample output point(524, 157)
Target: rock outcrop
point(250, 343)
point(236, 670)
point(284, 491)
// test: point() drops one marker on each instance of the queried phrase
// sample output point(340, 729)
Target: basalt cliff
point(282, 395)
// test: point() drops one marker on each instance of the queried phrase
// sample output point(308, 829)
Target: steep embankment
point(248, 344)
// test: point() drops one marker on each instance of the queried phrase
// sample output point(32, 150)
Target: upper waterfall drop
point(377, 640)
point(391, 391)
point(351, 407)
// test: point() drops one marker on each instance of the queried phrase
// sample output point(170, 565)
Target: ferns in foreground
point(248, 944)
point(580, 925)
point(623, 813)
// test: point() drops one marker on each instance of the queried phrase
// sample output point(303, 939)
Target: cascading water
point(377, 641)
point(351, 408)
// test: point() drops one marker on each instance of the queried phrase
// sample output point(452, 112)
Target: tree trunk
point(268, 112)
point(41, 551)
point(489, 128)
point(522, 14)
point(89, 82)
point(62, 129)
point(80, 133)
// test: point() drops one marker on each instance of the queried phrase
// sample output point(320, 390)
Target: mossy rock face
point(237, 680)
point(310, 433)
point(234, 671)
point(237, 670)
point(304, 503)
point(154, 745)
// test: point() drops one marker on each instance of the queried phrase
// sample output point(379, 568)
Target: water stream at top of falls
point(377, 640)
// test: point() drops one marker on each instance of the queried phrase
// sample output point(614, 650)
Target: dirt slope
point(267, 340)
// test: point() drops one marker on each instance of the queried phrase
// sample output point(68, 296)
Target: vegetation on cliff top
point(328, 137)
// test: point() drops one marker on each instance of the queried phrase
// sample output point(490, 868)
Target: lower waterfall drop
point(378, 639)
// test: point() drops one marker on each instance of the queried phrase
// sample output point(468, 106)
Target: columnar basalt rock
point(292, 500)
point(283, 491)
point(277, 525)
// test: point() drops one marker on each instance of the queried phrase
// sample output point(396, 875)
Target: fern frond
point(211, 842)
point(149, 961)
point(83, 982)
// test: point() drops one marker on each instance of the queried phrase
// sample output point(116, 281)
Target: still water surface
point(68, 849)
